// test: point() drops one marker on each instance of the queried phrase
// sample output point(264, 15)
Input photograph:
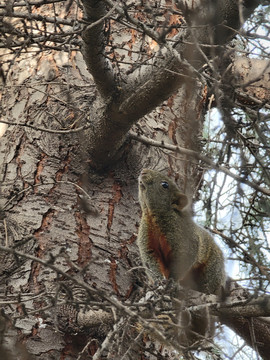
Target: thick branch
point(246, 328)
point(255, 330)
point(222, 17)
point(94, 42)
point(171, 66)
point(153, 82)
point(242, 313)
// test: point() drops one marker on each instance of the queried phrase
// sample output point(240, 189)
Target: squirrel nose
point(144, 171)
point(143, 175)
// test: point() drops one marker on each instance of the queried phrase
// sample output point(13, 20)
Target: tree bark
point(252, 77)
point(162, 76)
point(56, 207)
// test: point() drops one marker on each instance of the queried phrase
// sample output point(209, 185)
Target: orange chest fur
point(158, 246)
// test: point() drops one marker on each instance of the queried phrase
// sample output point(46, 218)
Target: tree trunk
point(69, 194)
point(42, 176)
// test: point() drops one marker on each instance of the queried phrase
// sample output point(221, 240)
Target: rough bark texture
point(94, 51)
point(157, 80)
point(252, 77)
point(42, 175)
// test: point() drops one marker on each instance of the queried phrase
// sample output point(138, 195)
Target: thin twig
point(52, 131)
point(198, 156)
point(157, 333)
point(109, 338)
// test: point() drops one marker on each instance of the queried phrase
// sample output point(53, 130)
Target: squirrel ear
point(180, 201)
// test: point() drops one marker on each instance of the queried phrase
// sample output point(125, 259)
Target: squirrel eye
point(164, 184)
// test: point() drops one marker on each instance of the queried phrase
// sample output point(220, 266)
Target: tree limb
point(254, 330)
point(94, 42)
point(151, 83)
point(156, 81)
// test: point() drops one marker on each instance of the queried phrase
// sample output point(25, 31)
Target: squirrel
point(171, 244)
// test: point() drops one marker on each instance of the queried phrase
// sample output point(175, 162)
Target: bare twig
point(198, 156)
point(37, 17)
point(52, 131)
point(157, 333)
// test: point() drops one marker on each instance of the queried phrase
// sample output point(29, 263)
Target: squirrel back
point(171, 244)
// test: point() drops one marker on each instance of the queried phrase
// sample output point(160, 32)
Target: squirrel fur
point(173, 246)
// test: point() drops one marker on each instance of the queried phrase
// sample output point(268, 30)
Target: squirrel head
point(159, 194)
